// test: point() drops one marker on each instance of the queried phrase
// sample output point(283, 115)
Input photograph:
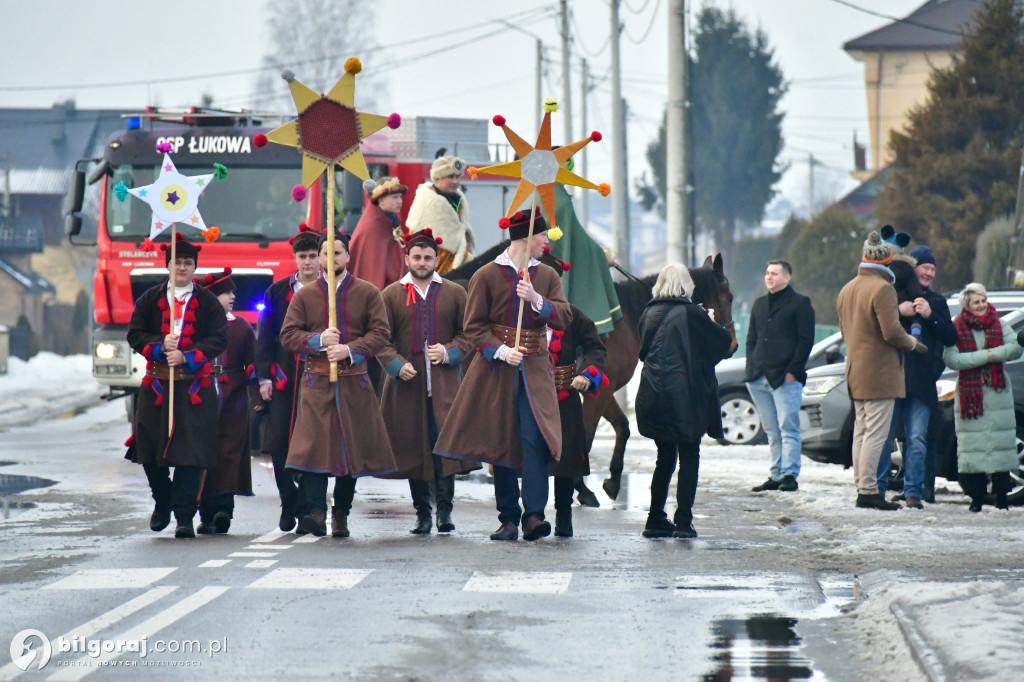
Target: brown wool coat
point(437, 319)
point(482, 424)
point(870, 322)
point(338, 427)
point(232, 474)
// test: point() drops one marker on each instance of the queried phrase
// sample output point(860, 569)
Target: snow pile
point(46, 385)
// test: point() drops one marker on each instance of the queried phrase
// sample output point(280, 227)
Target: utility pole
point(1018, 228)
point(810, 185)
point(582, 166)
point(539, 85)
point(566, 104)
point(620, 186)
point(676, 223)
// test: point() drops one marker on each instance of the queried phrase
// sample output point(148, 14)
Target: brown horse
point(711, 289)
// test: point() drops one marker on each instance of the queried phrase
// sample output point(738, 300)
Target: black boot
point(423, 525)
point(221, 522)
point(339, 523)
point(876, 501)
point(315, 522)
point(420, 491)
point(563, 522)
point(160, 519)
point(445, 492)
point(184, 529)
point(205, 527)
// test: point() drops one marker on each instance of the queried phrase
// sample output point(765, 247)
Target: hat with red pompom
point(304, 239)
point(518, 224)
point(183, 248)
point(218, 283)
point(423, 238)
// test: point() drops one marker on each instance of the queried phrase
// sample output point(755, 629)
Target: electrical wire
point(909, 22)
point(654, 20)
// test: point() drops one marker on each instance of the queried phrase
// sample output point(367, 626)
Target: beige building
point(898, 60)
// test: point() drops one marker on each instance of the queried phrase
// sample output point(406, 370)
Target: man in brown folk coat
point(506, 412)
point(423, 362)
point(338, 426)
point(198, 336)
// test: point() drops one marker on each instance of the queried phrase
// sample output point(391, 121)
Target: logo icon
point(22, 653)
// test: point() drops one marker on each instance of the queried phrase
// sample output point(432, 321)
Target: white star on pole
point(173, 198)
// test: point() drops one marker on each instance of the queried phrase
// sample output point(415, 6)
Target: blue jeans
point(779, 409)
point(535, 468)
point(916, 415)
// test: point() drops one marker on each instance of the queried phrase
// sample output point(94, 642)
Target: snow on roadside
point(46, 385)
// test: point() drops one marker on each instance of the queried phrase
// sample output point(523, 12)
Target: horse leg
point(585, 495)
point(620, 423)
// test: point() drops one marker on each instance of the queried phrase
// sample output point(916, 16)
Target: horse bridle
point(730, 323)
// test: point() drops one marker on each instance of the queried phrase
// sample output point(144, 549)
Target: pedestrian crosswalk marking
point(270, 537)
point(110, 578)
point(305, 538)
point(252, 554)
point(215, 563)
point(269, 548)
point(519, 582)
point(312, 578)
point(261, 563)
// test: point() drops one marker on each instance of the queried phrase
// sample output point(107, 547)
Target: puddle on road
point(12, 484)
point(762, 647)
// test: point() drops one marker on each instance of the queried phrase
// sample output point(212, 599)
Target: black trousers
point(564, 489)
point(976, 485)
point(290, 491)
point(688, 455)
point(315, 489)
point(181, 495)
point(221, 503)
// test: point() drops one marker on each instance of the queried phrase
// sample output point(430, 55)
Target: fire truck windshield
point(251, 204)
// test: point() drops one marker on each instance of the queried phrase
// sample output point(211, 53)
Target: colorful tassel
point(504, 223)
point(194, 398)
point(554, 234)
point(164, 147)
point(211, 234)
point(550, 105)
point(260, 140)
point(394, 121)
point(562, 395)
point(473, 172)
point(148, 245)
point(220, 171)
point(298, 192)
point(121, 191)
point(596, 136)
point(604, 189)
point(498, 120)
point(353, 65)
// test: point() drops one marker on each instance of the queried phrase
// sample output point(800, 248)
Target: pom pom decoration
point(473, 170)
point(194, 398)
point(220, 171)
point(554, 234)
point(298, 193)
point(439, 241)
point(353, 65)
point(148, 245)
point(566, 267)
point(556, 345)
point(517, 216)
point(504, 223)
point(550, 105)
point(260, 140)
point(596, 136)
point(211, 234)
point(369, 186)
point(394, 120)
point(563, 395)
point(547, 249)
point(498, 120)
point(207, 280)
point(164, 147)
point(604, 189)
point(288, 75)
point(121, 191)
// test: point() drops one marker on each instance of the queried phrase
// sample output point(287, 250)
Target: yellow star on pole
point(539, 167)
point(328, 129)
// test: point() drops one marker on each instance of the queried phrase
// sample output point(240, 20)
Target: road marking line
point(261, 563)
point(253, 554)
point(215, 563)
point(519, 582)
point(312, 578)
point(110, 578)
point(269, 548)
point(270, 537)
point(102, 621)
point(304, 539)
point(148, 628)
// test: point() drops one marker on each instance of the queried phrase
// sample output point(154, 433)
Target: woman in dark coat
point(677, 403)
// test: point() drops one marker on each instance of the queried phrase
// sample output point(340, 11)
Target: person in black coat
point(677, 403)
point(779, 341)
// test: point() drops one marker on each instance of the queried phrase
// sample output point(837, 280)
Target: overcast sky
point(52, 50)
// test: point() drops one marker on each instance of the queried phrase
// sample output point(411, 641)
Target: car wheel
point(1016, 494)
point(741, 422)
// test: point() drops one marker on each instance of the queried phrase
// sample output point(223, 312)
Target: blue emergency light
point(133, 123)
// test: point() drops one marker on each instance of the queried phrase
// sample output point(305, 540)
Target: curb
point(926, 657)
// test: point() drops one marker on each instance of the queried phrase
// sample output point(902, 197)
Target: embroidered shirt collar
point(504, 259)
point(407, 279)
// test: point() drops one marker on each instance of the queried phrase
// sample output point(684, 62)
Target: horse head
point(723, 296)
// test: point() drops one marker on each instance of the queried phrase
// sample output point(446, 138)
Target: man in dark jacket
point(928, 319)
point(778, 342)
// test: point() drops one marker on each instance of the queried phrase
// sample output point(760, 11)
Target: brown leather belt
point(319, 364)
point(563, 376)
point(534, 342)
point(162, 371)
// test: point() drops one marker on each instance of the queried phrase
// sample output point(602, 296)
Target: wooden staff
point(526, 267)
point(332, 293)
point(170, 373)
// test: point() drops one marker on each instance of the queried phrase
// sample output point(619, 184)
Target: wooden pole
point(170, 374)
point(526, 267)
point(332, 287)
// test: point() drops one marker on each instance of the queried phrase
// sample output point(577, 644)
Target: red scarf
point(972, 380)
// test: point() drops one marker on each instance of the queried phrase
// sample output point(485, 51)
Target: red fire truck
point(253, 209)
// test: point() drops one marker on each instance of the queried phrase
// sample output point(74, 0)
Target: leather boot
point(315, 522)
point(339, 523)
point(204, 528)
point(445, 492)
point(536, 528)
point(876, 501)
point(160, 519)
point(508, 531)
point(184, 529)
point(221, 522)
point(563, 522)
point(423, 524)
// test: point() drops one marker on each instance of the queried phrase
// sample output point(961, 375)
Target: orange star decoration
point(328, 129)
point(539, 167)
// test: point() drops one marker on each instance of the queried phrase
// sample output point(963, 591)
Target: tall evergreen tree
point(735, 125)
point(957, 161)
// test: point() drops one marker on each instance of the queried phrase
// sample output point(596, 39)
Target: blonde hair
point(972, 289)
point(673, 281)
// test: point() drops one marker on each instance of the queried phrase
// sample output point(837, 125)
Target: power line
point(578, 33)
point(909, 22)
point(654, 20)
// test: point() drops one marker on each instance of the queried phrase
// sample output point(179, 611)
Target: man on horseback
point(506, 412)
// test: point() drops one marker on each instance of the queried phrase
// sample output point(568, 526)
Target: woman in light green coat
point(986, 426)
